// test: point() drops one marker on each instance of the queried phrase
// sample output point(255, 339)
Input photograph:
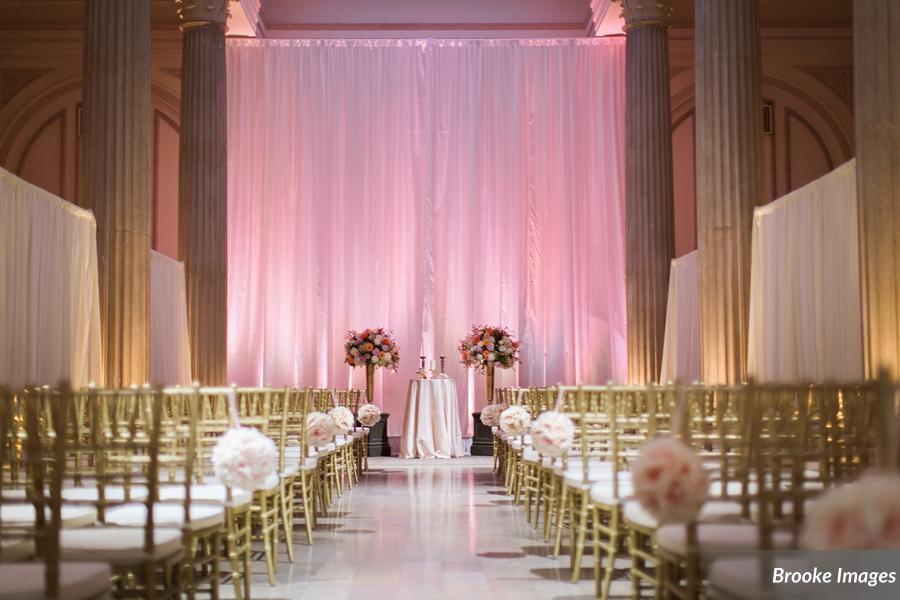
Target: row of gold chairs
point(769, 451)
point(136, 492)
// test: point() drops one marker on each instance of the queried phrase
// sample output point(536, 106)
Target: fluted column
point(649, 220)
point(116, 177)
point(876, 51)
point(202, 191)
point(729, 177)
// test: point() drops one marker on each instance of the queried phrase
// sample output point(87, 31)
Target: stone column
point(203, 200)
point(876, 51)
point(729, 177)
point(116, 177)
point(649, 220)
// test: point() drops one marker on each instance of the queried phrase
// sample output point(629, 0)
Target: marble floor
point(421, 530)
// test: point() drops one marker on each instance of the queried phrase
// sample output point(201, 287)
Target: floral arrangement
point(670, 481)
point(552, 433)
point(372, 346)
point(368, 415)
point(343, 419)
point(490, 414)
point(489, 346)
point(515, 421)
point(244, 458)
point(864, 515)
point(320, 429)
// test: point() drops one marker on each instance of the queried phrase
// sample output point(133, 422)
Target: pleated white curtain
point(681, 345)
point(170, 346)
point(805, 315)
point(49, 289)
point(425, 186)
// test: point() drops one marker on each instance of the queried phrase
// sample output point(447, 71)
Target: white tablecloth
point(431, 424)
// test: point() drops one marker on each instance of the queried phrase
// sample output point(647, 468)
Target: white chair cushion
point(531, 455)
point(72, 516)
point(602, 493)
point(290, 469)
point(575, 477)
point(717, 539)
point(119, 546)
point(16, 548)
point(203, 516)
point(113, 493)
point(310, 464)
point(712, 510)
point(740, 577)
point(77, 580)
point(208, 492)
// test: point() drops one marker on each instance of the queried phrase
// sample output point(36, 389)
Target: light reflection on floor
point(439, 529)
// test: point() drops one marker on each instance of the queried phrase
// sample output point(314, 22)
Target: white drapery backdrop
point(170, 345)
point(681, 345)
point(805, 314)
point(49, 289)
point(425, 186)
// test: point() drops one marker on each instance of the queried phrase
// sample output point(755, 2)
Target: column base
point(378, 438)
point(483, 442)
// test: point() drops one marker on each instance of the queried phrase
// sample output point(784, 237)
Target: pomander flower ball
point(670, 481)
point(490, 414)
point(864, 515)
point(515, 421)
point(320, 429)
point(244, 458)
point(368, 415)
point(343, 419)
point(552, 433)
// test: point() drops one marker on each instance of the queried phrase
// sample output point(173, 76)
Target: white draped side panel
point(49, 289)
point(425, 186)
point(805, 315)
point(681, 345)
point(170, 346)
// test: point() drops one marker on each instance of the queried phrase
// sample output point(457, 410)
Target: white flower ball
point(368, 415)
point(490, 414)
point(244, 458)
point(864, 515)
point(552, 433)
point(670, 481)
point(515, 421)
point(320, 429)
point(343, 419)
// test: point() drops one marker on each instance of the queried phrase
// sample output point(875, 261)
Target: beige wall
point(807, 81)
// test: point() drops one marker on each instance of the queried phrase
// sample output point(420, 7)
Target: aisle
point(439, 529)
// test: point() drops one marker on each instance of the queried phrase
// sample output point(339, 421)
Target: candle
point(431, 365)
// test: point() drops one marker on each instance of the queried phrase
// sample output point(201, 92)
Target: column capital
point(644, 13)
point(196, 13)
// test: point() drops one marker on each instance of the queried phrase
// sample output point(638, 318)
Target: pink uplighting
point(425, 186)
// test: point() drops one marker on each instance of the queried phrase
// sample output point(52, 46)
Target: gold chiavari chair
point(764, 447)
point(535, 401)
point(29, 455)
point(296, 450)
point(357, 452)
point(330, 481)
point(262, 409)
point(212, 422)
point(346, 446)
point(147, 542)
point(562, 399)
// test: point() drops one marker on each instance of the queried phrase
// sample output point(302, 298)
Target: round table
point(431, 425)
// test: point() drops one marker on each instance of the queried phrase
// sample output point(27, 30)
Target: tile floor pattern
point(426, 529)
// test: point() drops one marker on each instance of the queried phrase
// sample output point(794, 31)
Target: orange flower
point(368, 346)
point(485, 353)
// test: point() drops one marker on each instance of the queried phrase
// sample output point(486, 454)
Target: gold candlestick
point(422, 366)
point(442, 364)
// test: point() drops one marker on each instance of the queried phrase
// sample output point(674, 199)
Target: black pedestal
point(378, 438)
point(483, 442)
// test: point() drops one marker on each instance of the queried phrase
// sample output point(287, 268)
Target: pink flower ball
point(368, 415)
point(515, 421)
point(320, 429)
point(244, 458)
point(670, 481)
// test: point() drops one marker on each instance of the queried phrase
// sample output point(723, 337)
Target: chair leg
point(578, 532)
point(286, 511)
point(560, 510)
